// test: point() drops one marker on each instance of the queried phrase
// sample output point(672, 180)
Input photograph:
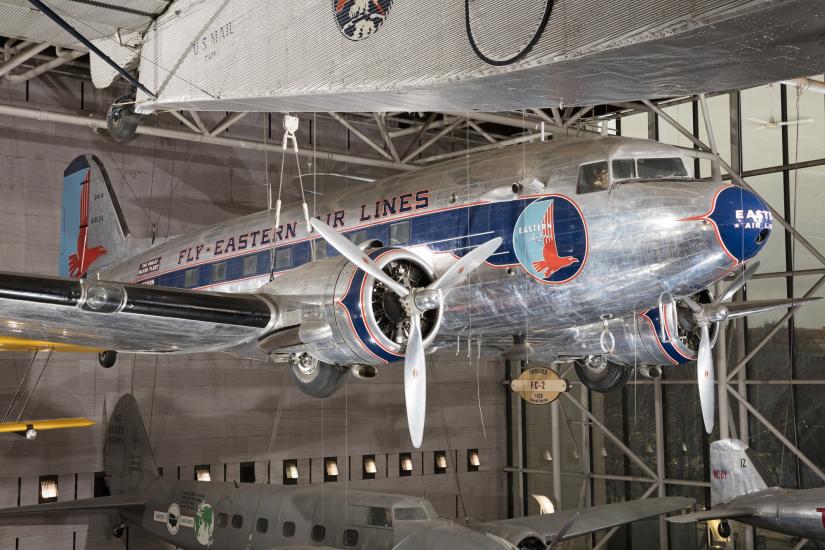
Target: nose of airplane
point(743, 221)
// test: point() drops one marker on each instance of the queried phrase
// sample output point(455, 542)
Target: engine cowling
point(345, 316)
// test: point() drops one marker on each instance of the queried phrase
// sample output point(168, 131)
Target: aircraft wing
point(49, 424)
point(589, 520)
point(715, 513)
point(99, 504)
point(129, 317)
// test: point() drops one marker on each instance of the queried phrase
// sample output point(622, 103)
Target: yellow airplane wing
point(11, 343)
point(48, 424)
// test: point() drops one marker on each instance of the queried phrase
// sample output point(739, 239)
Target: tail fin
point(92, 229)
point(734, 471)
point(127, 456)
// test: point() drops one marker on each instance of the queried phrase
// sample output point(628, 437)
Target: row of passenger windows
point(399, 234)
point(372, 516)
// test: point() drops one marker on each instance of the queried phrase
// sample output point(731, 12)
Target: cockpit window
point(624, 169)
point(410, 514)
point(593, 177)
point(657, 168)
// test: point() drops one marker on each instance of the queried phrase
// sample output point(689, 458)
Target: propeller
point(416, 301)
point(716, 312)
point(773, 123)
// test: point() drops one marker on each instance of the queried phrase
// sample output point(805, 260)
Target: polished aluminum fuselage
point(644, 240)
point(799, 513)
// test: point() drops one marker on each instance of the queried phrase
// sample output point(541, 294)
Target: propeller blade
point(350, 251)
point(754, 307)
point(459, 271)
point(415, 382)
point(758, 120)
point(563, 531)
point(737, 283)
point(705, 379)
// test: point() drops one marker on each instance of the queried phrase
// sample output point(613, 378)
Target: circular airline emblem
point(173, 519)
point(358, 19)
point(204, 524)
point(550, 239)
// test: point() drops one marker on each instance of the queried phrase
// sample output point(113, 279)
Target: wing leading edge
point(128, 317)
point(592, 519)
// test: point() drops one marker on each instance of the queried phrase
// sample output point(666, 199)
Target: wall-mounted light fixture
point(369, 468)
point(440, 462)
point(473, 460)
point(405, 466)
point(290, 472)
point(202, 473)
point(330, 469)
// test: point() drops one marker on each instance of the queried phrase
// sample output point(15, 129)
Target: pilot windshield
point(649, 168)
point(593, 177)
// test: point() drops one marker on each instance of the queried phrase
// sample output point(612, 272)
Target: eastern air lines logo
point(550, 239)
point(359, 19)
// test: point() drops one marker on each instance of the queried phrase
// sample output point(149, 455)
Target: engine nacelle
point(348, 318)
point(519, 536)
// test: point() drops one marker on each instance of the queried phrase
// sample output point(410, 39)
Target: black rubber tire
point(123, 123)
point(724, 529)
point(118, 531)
point(326, 380)
point(612, 378)
point(107, 359)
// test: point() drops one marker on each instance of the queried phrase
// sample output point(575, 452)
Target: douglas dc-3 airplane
point(598, 250)
point(193, 515)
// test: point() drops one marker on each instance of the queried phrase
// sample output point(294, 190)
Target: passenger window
point(237, 521)
point(320, 246)
point(624, 169)
point(410, 514)
point(661, 168)
point(191, 278)
point(400, 233)
point(262, 525)
point(380, 517)
point(289, 529)
point(593, 177)
point(250, 265)
point(319, 533)
point(223, 519)
point(219, 272)
point(283, 258)
point(350, 537)
point(358, 237)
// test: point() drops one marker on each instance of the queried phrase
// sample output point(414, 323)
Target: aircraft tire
point(122, 120)
point(107, 359)
point(318, 379)
point(604, 378)
point(724, 529)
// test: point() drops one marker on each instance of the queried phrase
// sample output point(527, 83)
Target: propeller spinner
point(416, 301)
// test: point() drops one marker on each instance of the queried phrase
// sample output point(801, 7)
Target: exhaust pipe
point(654, 372)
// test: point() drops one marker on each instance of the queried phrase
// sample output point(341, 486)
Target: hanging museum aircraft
point(429, 55)
point(597, 250)
point(193, 515)
point(739, 490)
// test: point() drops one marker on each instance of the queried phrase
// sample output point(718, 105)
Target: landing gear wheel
point(600, 375)
point(118, 530)
point(121, 120)
point(724, 529)
point(316, 378)
point(107, 359)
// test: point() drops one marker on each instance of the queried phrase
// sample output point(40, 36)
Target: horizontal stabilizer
point(100, 504)
point(48, 424)
point(715, 513)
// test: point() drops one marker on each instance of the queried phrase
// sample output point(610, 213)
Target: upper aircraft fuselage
point(597, 229)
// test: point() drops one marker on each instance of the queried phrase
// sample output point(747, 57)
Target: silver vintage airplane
point(598, 250)
point(192, 515)
point(739, 490)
